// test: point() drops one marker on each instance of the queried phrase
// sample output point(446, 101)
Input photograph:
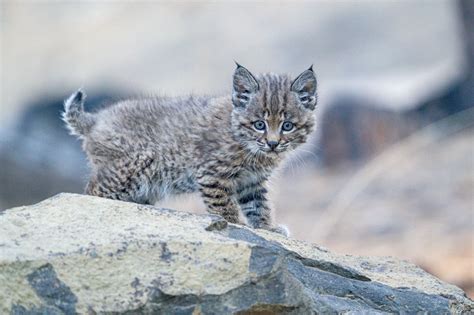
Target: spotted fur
point(144, 149)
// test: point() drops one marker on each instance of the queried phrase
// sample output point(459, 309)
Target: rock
point(354, 129)
point(81, 254)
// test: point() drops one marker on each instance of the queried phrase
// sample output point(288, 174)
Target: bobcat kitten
point(226, 148)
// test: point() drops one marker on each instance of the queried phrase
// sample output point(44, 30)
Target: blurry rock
point(38, 157)
point(456, 98)
point(460, 95)
point(82, 254)
point(353, 129)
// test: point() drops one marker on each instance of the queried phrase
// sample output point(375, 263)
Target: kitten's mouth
point(272, 152)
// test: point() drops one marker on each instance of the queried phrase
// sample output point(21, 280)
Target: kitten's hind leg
point(120, 181)
point(106, 184)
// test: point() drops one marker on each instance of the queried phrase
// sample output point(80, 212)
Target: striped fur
point(144, 149)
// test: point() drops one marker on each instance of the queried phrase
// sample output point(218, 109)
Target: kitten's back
point(157, 116)
point(161, 124)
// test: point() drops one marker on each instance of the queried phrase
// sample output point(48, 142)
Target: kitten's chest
point(248, 175)
point(257, 166)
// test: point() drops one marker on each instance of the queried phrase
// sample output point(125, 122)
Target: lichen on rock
point(81, 254)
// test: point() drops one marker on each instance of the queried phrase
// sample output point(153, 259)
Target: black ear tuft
point(305, 86)
point(244, 86)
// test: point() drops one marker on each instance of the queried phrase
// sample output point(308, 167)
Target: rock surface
point(80, 254)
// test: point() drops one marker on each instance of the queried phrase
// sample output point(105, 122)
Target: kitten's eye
point(259, 125)
point(287, 126)
point(304, 99)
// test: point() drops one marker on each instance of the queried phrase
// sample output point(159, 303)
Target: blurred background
point(390, 170)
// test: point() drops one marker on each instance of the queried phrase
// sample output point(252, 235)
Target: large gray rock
point(80, 254)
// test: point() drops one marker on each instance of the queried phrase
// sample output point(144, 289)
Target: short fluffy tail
point(77, 120)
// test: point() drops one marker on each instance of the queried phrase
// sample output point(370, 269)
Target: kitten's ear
point(305, 87)
point(245, 86)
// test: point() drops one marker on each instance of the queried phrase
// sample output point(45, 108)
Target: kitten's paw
point(281, 229)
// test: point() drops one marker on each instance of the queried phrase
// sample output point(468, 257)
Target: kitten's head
point(272, 113)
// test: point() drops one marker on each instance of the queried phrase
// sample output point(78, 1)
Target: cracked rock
point(148, 260)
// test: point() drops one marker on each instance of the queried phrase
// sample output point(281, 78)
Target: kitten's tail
point(77, 120)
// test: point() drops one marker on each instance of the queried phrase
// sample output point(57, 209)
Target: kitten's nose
point(272, 144)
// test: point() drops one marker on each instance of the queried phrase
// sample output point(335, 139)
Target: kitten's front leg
point(252, 198)
point(218, 197)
